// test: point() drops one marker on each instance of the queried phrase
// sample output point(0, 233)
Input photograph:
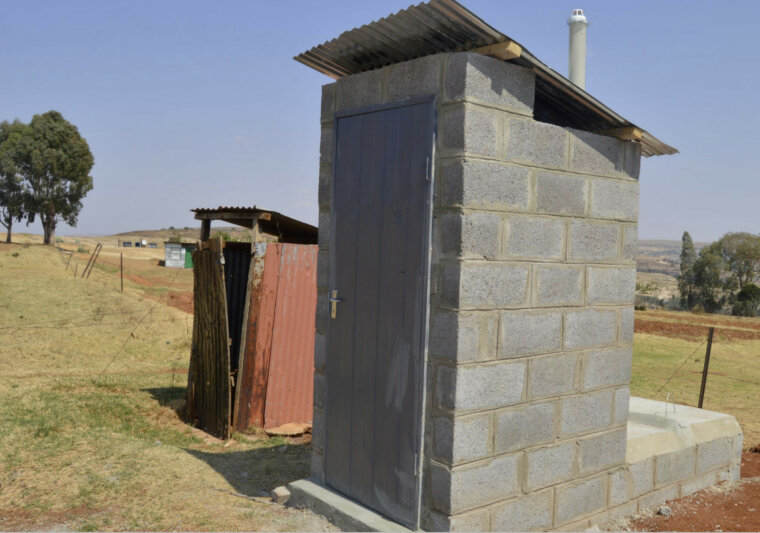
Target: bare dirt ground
point(716, 509)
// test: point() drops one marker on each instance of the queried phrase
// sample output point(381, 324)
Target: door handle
point(334, 300)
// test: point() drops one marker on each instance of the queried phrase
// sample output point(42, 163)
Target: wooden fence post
point(121, 270)
point(704, 371)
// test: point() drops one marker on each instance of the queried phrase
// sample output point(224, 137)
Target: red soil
point(690, 331)
point(733, 510)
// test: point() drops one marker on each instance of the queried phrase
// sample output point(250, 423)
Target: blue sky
point(188, 104)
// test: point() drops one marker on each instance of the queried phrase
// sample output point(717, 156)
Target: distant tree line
point(723, 277)
point(44, 172)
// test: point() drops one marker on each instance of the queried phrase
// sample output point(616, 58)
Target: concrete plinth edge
point(343, 512)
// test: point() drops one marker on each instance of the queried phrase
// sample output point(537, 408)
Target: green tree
point(56, 165)
point(741, 254)
point(747, 301)
point(686, 277)
point(712, 288)
point(12, 186)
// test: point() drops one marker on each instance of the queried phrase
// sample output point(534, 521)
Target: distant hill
point(661, 256)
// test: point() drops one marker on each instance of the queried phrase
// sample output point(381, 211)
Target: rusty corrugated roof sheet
point(441, 26)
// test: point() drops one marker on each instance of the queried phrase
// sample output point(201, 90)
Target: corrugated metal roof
point(442, 26)
point(271, 222)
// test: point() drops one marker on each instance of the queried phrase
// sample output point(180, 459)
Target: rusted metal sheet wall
point(258, 343)
point(208, 381)
point(290, 386)
point(275, 383)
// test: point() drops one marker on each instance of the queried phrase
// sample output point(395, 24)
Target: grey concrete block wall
point(534, 235)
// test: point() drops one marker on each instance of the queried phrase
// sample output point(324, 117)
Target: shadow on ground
point(256, 472)
point(252, 472)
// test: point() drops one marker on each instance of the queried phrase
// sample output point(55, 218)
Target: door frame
point(419, 403)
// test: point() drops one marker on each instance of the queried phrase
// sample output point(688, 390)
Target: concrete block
point(626, 326)
point(523, 427)
point(561, 194)
point(494, 285)
point(632, 163)
point(320, 351)
point(329, 95)
point(479, 78)
point(595, 154)
point(468, 235)
point(658, 497)
point(463, 337)
point(581, 498)
point(326, 144)
point(549, 466)
point(527, 333)
point(619, 488)
point(280, 495)
point(478, 520)
point(615, 199)
point(690, 486)
point(527, 513)
point(317, 466)
point(622, 398)
point(468, 129)
point(359, 90)
point(597, 242)
point(485, 184)
point(478, 387)
point(674, 466)
point(324, 192)
point(323, 263)
point(474, 485)
point(583, 414)
point(418, 77)
point(606, 368)
point(642, 475)
point(323, 239)
point(589, 328)
point(552, 375)
point(602, 452)
point(320, 389)
point(630, 243)
point(536, 143)
point(713, 454)
point(559, 285)
point(462, 439)
point(608, 285)
point(318, 429)
point(528, 237)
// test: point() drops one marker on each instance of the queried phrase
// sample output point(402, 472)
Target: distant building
point(178, 254)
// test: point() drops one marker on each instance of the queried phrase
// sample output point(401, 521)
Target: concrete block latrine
point(525, 417)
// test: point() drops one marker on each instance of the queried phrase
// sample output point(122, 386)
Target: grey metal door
point(379, 252)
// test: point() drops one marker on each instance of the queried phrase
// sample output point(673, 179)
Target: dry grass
point(733, 384)
point(92, 436)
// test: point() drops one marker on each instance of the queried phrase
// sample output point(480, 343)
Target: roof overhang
point(271, 222)
point(440, 26)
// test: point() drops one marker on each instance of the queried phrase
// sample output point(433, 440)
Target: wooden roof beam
point(631, 133)
point(505, 51)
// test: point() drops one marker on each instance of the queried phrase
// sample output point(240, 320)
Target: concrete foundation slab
point(343, 512)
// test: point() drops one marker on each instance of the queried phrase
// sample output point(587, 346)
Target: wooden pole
point(98, 248)
point(121, 270)
point(76, 267)
point(90, 261)
point(704, 371)
point(69, 261)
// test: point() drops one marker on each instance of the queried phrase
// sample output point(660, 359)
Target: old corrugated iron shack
point(253, 331)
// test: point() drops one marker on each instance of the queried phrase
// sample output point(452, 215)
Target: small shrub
point(83, 250)
point(640, 307)
point(58, 239)
point(15, 254)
